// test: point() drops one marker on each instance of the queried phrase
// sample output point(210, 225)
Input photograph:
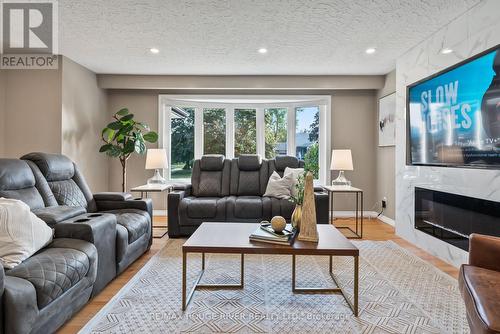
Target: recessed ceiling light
point(262, 50)
point(446, 51)
point(370, 51)
point(154, 50)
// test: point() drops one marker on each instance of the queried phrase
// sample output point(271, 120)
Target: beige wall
point(32, 111)
point(2, 113)
point(353, 119)
point(84, 114)
point(56, 111)
point(386, 164)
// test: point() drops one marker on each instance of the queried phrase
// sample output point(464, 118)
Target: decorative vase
point(296, 216)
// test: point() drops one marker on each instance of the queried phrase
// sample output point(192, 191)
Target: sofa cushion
point(247, 207)
point(282, 207)
point(211, 162)
point(52, 272)
point(68, 193)
point(55, 167)
point(249, 162)
point(210, 177)
point(18, 182)
point(205, 207)
point(252, 179)
point(136, 222)
point(479, 288)
point(195, 210)
point(210, 183)
point(15, 174)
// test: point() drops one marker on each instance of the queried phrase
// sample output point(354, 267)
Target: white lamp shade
point(341, 160)
point(156, 158)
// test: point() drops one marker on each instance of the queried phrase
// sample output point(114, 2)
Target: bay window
point(191, 126)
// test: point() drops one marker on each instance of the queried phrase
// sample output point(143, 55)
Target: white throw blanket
point(21, 232)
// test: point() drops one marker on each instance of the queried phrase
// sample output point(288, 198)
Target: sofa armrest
point(20, 307)
point(53, 215)
point(322, 207)
point(100, 230)
point(174, 199)
point(144, 204)
point(183, 186)
point(483, 251)
point(113, 196)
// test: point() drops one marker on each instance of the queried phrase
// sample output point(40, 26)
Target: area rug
point(399, 293)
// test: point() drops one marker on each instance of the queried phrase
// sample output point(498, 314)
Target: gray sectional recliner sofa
point(96, 237)
point(232, 190)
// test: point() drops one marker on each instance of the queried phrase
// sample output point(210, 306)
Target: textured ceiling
point(222, 36)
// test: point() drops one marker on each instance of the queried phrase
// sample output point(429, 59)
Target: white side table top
point(342, 189)
point(152, 187)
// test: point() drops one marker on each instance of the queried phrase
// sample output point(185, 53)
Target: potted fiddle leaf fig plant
point(123, 137)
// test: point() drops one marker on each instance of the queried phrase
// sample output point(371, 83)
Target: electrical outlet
point(384, 203)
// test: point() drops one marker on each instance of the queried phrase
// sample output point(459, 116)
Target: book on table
point(265, 233)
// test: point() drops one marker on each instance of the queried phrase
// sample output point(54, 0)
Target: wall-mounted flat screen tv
point(454, 116)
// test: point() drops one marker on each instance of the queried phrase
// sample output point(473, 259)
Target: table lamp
point(156, 159)
point(341, 161)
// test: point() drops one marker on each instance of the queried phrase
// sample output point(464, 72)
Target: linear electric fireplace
point(452, 218)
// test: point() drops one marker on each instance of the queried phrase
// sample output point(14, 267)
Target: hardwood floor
point(373, 230)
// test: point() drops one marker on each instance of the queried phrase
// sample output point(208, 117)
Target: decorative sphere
point(278, 224)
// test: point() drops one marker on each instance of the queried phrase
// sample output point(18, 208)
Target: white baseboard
point(160, 212)
point(387, 220)
point(352, 214)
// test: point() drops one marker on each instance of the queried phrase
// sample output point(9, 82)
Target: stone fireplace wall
point(475, 31)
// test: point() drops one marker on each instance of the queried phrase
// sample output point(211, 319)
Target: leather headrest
point(249, 162)
point(212, 162)
point(15, 174)
point(283, 161)
point(55, 167)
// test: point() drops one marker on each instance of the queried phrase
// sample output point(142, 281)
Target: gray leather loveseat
point(97, 236)
point(232, 190)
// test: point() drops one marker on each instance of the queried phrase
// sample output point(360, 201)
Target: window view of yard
point(275, 131)
point(245, 131)
point(307, 137)
point(214, 131)
point(182, 144)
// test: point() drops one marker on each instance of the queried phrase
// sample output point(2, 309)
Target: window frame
point(291, 102)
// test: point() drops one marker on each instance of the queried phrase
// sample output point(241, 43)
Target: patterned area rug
point(399, 293)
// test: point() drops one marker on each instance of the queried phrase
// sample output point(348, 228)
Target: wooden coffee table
point(232, 238)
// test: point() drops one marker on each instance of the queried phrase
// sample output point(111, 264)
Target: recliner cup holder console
point(95, 215)
point(82, 220)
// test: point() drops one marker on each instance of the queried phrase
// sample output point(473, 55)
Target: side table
point(358, 233)
point(158, 231)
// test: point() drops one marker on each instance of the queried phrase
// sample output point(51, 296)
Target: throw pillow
point(22, 234)
point(278, 186)
point(295, 172)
